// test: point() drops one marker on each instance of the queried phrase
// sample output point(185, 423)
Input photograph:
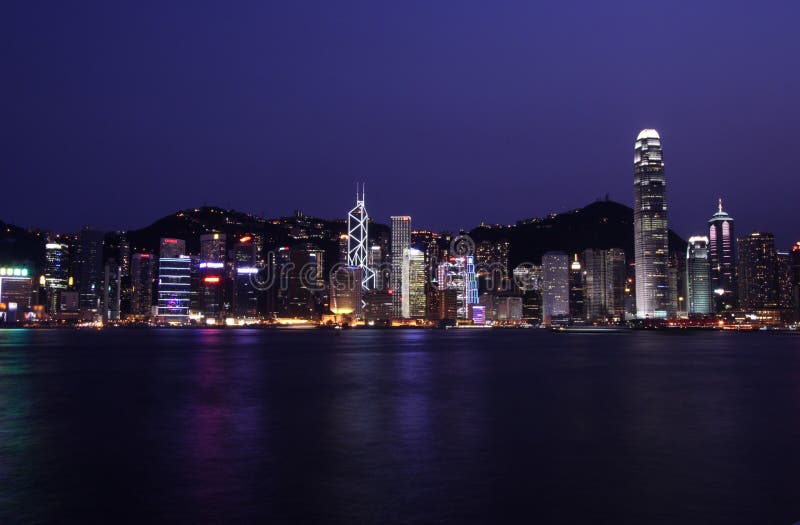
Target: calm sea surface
point(238, 426)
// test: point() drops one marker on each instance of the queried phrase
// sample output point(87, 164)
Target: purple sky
point(117, 113)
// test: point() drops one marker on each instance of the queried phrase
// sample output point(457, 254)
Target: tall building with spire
point(722, 258)
point(650, 229)
point(358, 240)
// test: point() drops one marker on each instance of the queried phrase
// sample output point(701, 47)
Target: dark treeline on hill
point(600, 225)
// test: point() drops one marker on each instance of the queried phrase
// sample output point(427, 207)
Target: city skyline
point(110, 101)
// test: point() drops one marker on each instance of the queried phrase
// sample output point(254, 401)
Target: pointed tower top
point(720, 204)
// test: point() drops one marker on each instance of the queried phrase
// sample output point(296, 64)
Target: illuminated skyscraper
point(56, 273)
point(794, 261)
point(358, 241)
point(650, 229)
point(722, 257)
point(301, 280)
point(458, 274)
point(577, 292)
point(174, 276)
point(245, 295)
point(413, 284)
point(555, 282)
point(89, 267)
point(757, 272)
point(401, 237)
point(605, 284)
point(142, 284)
point(698, 277)
point(112, 288)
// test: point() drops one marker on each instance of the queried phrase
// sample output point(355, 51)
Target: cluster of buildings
point(744, 280)
point(413, 277)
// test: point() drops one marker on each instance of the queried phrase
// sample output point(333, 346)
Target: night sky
point(118, 113)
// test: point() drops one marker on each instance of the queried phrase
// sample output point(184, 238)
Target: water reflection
point(381, 426)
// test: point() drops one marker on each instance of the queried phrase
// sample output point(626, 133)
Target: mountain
point(189, 224)
point(601, 224)
point(20, 247)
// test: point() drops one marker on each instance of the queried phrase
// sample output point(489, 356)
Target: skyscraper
point(722, 258)
point(604, 272)
point(757, 272)
point(142, 284)
point(458, 274)
point(89, 266)
point(245, 295)
point(794, 260)
point(413, 284)
point(112, 288)
point(577, 292)
point(56, 273)
point(651, 241)
point(528, 282)
point(174, 276)
point(698, 278)
point(555, 281)
point(358, 241)
point(301, 280)
point(401, 236)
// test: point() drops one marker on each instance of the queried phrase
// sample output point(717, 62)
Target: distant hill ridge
point(601, 224)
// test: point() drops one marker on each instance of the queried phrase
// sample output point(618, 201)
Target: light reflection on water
point(397, 426)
